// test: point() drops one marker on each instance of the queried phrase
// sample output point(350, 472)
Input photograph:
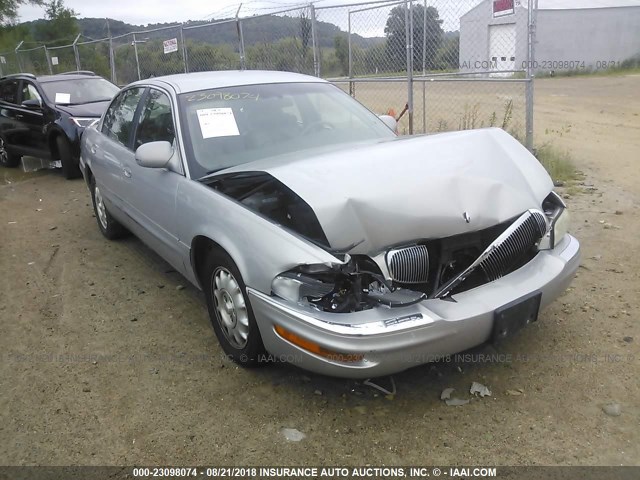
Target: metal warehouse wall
point(474, 36)
point(588, 38)
point(593, 36)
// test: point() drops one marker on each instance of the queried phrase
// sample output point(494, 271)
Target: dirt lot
point(105, 360)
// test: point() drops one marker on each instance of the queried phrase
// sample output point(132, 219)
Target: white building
point(570, 35)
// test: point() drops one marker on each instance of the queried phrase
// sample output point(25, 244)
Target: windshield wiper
point(96, 101)
point(211, 172)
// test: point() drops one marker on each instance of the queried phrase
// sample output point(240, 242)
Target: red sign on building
point(502, 7)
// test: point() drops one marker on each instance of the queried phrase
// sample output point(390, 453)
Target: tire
point(7, 159)
point(70, 167)
point(230, 311)
point(108, 225)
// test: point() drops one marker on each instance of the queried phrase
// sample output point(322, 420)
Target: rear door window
point(9, 91)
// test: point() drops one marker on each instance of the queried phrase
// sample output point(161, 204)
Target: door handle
point(127, 172)
point(19, 116)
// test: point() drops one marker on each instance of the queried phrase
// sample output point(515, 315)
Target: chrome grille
point(499, 257)
point(523, 235)
point(409, 264)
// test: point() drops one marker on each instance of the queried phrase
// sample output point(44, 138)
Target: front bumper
point(396, 339)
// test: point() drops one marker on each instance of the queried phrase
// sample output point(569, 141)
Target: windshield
point(79, 91)
point(231, 126)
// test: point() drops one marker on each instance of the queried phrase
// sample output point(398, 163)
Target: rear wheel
point(108, 225)
point(230, 311)
point(70, 167)
point(8, 159)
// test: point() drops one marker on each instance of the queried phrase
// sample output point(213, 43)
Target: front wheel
point(230, 311)
point(108, 225)
point(70, 167)
point(8, 159)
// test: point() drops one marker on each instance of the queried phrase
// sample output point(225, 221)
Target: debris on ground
point(612, 409)
point(317, 392)
point(514, 393)
point(479, 389)
point(292, 434)
point(369, 383)
point(361, 409)
point(446, 393)
point(180, 287)
point(455, 402)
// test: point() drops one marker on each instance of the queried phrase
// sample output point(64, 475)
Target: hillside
point(266, 29)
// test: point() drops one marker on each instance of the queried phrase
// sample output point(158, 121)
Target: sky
point(144, 12)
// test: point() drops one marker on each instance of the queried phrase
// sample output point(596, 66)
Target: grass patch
point(558, 164)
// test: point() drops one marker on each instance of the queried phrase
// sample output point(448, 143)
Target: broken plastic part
point(446, 393)
point(479, 389)
point(32, 164)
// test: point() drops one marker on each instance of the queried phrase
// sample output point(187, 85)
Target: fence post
point(112, 61)
point(18, 56)
point(240, 38)
point(185, 62)
point(531, 40)
point(75, 52)
point(408, 29)
point(350, 72)
point(314, 41)
point(135, 51)
point(48, 55)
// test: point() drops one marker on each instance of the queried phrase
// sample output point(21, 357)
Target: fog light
point(313, 347)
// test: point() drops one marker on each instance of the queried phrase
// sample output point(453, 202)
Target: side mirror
point(32, 104)
point(390, 122)
point(154, 154)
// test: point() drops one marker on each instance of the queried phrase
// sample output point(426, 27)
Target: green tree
point(61, 26)
point(341, 46)
point(447, 57)
point(9, 9)
point(396, 36)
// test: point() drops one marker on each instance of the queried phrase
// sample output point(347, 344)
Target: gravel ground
point(105, 359)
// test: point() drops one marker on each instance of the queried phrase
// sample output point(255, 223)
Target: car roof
point(66, 76)
point(51, 78)
point(192, 82)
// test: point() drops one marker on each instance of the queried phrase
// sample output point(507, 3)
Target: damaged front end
point(440, 268)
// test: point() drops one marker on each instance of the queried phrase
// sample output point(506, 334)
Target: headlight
point(560, 227)
point(327, 290)
point(85, 122)
point(354, 286)
point(558, 215)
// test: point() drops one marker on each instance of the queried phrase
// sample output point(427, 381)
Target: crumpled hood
point(411, 188)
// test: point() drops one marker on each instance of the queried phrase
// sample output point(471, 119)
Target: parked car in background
point(44, 116)
point(317, 235)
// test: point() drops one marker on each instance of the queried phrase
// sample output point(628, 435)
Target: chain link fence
point(9, 63)
point(436, 65)
point(280, 41)
point(62, 59)
point(95, 56)
point(201, 55)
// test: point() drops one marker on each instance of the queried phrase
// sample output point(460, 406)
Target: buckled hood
point(370, 197)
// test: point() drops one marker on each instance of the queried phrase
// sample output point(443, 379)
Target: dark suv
point(45, 116)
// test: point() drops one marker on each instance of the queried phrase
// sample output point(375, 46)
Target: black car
point(44, 116)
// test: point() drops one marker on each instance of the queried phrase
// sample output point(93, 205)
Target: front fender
point(260, 248)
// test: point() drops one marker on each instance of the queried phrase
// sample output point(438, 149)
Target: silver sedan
point(316, 233)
